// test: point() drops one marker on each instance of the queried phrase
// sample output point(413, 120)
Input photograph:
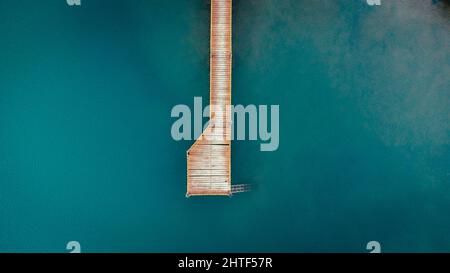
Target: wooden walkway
point(209, 159)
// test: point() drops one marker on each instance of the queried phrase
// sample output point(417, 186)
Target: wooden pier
point(209, 158)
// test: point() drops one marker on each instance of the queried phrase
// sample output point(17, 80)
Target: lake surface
point(86, 152)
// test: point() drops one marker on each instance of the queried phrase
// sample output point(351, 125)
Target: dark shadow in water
point(445, 7)
point(444, 3)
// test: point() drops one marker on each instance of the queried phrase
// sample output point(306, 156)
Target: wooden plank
point(209, 159)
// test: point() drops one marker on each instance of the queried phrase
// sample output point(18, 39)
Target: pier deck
point(209, 158)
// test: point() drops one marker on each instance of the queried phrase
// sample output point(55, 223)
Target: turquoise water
point(86, 152)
